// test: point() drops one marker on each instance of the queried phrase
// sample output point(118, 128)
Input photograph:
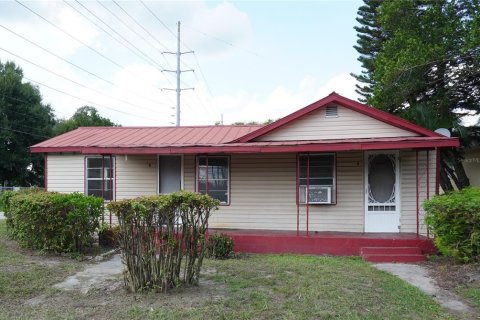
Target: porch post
point(428, 174)
point(297, 194)
point(437, 172)
point(111, 185)
point(416, 183)
point(428, 184)
point(308, 187)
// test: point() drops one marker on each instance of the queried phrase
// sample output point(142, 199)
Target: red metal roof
point(147, 137)
point(235, 139)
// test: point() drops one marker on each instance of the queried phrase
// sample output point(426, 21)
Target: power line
point(156, 17)
point(132, 30)
point(188, 48)
point(75, 65)
point(139, 53)
point(21, 100)
point(32, 134)
point(224, 41)
point(138, 34)
point(85, 100)
point(83, 43)
point(138, 24)
point(76, 82)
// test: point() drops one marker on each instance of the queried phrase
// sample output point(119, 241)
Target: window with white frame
point(316, 178)
point(213, 177)
point(99, 176)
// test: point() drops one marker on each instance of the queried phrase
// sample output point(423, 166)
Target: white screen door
point(382, 197)
point(169, 174)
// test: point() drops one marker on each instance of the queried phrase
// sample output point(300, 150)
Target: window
point(213, 177)
point(100, 177)
point(316, 178)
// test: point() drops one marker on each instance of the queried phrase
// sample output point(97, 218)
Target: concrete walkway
point(417, 276)
point(94, 276)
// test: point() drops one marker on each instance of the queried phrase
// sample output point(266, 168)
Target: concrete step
point(390, 250)
point(393, 258)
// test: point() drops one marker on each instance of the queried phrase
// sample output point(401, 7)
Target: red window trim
point(197, 174)
point(308, 177)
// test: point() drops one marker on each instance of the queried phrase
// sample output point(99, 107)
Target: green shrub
point(52, 221)
point(108, 236)
point(454, 219)
point(163, 238)
point(219, 246)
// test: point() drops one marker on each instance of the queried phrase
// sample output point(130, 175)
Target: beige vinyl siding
point(65, 172)
point(471, 163)
point(348, 214)
point(263, 194)
point(408, 206)
point(136, 175)
point(348, 124)
point(189, 172)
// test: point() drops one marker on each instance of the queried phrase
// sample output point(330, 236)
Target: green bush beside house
point(52, 221)
point(454, 219)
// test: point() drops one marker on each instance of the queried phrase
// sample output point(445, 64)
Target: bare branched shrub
point(163, 238)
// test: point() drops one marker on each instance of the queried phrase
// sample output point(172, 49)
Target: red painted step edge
point(390, 250)
point(399, 258)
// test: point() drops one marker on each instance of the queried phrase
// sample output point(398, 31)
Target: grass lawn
point(254, 287)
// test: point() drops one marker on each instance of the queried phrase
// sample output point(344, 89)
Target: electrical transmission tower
point(178, 72)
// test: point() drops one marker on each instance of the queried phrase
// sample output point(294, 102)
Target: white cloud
point(250, 106)
point(224, 21)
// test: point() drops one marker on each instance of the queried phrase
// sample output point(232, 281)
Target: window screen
point(100, 177)
point(213, 177)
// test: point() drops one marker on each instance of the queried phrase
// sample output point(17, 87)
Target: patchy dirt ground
point(450, 275)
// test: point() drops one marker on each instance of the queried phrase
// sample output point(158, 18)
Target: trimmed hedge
point(220, 246)
point(454, 219)
point(52, 221)
point(162, 239)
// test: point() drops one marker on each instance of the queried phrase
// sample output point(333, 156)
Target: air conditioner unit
point(319, 194)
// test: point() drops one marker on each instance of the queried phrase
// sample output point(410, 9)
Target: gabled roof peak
point(347, 103)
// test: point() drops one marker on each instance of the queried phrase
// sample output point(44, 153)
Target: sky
point(252, 60)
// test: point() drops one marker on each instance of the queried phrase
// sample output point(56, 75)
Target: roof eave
point(246, 148)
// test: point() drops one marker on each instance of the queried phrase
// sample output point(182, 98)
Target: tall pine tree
point(427, 68)
point(369, 43)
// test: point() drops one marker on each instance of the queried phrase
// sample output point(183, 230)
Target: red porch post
point(308, 188)
point(416, 183)
point(428, 184)
point(437, 175)
point(297, 194)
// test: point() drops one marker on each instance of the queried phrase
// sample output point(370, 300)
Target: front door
point(169, 174)
point(382, 192)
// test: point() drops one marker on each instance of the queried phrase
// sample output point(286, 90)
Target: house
point(471, 164)
point(331, 178)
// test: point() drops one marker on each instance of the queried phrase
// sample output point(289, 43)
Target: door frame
point(397, 211)
point(182, 176)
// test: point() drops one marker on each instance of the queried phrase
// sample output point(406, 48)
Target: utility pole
point(178, 72)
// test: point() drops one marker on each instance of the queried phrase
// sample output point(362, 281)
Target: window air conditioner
point(319, 195)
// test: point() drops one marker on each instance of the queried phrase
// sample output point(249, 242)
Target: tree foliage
point(85, 116)
point(421, 61)
point(24, 121)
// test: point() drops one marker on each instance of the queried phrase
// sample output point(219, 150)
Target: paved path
point(417, 276)
point(1, 216)
point(94, 276)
